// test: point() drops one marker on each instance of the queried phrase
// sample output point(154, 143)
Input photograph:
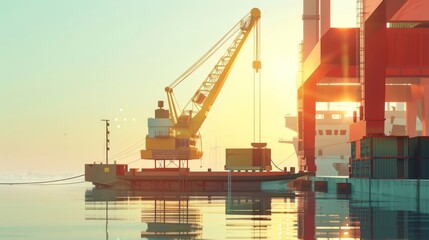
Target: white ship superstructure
point(332, 134)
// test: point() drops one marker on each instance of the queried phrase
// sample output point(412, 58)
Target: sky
point(65, 65)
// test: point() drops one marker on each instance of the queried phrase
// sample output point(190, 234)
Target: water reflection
point(172, 218)
point(300, 215)
point(163, 216)
point(390, 218)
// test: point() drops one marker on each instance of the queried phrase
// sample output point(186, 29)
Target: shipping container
point(366, 166)
point(354, 172)
point(357, 170)
point(381, 157)
point(418, 165)
point(261, 157)
point(353, 150)
point(389, 146)
point(159, 122)
point(159, 127)
point(385, 146)
point(238, 157)
point(418, 168)
point(160, 143)
point(365, 144)
point(419, 147)
point(396, 168)
point(248, 159)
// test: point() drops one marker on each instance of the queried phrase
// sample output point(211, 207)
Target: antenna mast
point(107, 139)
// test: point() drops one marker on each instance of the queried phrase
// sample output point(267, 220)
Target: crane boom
point(178, 134)
point(207, 93)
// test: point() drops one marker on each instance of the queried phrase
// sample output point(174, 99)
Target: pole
point(107, 139)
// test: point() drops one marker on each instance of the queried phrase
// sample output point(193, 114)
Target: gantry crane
point(173, 135)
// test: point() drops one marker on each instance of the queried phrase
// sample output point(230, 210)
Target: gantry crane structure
point(383, 60)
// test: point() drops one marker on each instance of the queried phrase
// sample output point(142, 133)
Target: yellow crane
point(173, 134)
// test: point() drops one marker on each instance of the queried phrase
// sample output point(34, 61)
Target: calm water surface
point(81, 212)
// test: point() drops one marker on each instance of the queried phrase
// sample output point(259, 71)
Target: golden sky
point(65, 65)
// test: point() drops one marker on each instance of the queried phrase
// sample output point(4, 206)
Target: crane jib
point(180, 132)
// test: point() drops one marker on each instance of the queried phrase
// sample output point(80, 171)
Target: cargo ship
point(332, 135)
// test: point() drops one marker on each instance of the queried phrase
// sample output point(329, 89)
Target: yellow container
point(146, 154)
point(161, 143)
point(242, 157)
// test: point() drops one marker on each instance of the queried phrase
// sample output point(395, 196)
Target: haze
point(65, 65)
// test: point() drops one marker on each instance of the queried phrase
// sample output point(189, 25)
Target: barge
point(173, 137)
point(119, 176)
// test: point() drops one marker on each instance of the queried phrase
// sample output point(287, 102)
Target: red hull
point(180, 179)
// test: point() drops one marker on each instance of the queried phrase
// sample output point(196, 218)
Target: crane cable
point(207, 55)
point(258, 52)
point(257, 77)
point(210, 53)
point(215, 50)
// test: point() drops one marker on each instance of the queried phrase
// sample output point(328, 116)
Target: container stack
point(418, 167)
point(381, 157)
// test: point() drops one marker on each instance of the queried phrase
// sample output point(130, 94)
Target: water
point(81, 212)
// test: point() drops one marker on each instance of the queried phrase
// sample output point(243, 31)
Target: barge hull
point(180, 179)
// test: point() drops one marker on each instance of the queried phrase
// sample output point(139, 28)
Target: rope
point(58, 184)
point(133, 161)
point(287, 157)
point(276, 165)
point(124, 156)
point(41, 182)
point(127, 150)
point(329, 145)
